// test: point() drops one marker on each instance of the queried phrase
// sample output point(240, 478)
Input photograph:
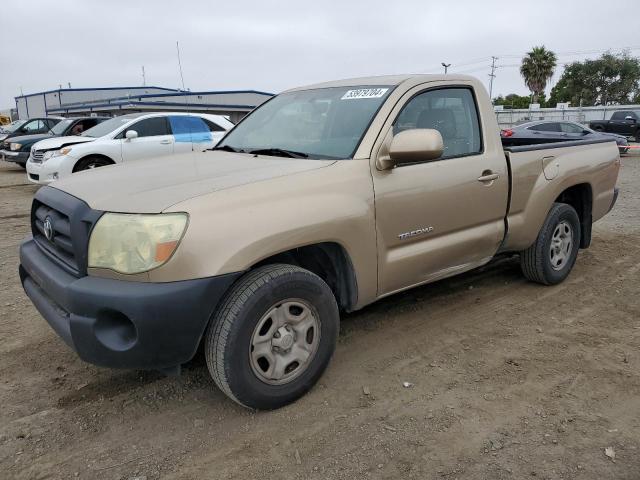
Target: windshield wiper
point(228, 148)
point(279, 152)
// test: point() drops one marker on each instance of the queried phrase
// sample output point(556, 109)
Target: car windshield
point(106, 127)
point(60, 127)
point(13, 126)
point(319, 123)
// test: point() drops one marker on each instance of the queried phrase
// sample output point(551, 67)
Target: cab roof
point(381, 80)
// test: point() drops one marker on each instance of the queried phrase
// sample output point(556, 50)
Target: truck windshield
point(323, 123)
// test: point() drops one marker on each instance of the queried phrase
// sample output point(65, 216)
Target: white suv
point(122, 139)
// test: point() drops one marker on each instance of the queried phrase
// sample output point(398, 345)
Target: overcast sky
point(274, 45)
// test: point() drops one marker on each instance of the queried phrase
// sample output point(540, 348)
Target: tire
point(91, 162)
point(249, 321)
point(546, 265)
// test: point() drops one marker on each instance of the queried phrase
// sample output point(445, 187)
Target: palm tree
point(537, 68)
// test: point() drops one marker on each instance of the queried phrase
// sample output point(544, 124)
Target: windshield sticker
point(364, 93)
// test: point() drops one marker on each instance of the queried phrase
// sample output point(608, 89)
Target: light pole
point(446, 66)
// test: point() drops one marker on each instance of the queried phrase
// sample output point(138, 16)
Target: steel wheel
point(284, 342)
point(561, 245)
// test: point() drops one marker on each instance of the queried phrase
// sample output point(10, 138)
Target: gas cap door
point(551, 167)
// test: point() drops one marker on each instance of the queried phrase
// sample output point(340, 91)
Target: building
point(120, 100)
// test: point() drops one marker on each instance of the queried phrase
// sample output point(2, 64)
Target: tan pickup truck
point(324, 199)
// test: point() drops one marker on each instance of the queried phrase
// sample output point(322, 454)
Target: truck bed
point(540, 173)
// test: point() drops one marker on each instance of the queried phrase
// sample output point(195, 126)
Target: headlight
point(15, 146)
point(135, 243)
point(56, 153)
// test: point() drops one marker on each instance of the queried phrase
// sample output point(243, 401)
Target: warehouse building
point(120, 100)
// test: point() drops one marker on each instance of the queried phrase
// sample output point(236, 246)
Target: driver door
point(440, 217)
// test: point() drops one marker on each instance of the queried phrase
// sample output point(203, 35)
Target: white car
point(122, 139)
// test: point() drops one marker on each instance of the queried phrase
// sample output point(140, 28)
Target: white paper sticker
point(364, 93)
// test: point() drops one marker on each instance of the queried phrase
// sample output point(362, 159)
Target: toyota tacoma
point(323, 200)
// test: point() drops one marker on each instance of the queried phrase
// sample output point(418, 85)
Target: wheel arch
point(580, 197)
point(330, 261)
point(97, 155)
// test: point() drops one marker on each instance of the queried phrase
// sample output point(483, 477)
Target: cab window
point(451, 111)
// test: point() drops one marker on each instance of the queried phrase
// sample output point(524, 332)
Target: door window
point(619, 115)
point(34, 126)
point(151, 127)
point(188, 129)
point(451, 111)
point(546, 127)
point(571, 128)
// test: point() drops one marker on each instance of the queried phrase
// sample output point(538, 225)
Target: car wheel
point(552, 256)
point(272, 337)
point(89, 163)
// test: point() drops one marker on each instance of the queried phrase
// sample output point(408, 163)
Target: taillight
point(506, 132)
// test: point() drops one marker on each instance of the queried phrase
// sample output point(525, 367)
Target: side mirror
point(629, 117)
point(130, 134)
point(415, 145)
point(586, 132)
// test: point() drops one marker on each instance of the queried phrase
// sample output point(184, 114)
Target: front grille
point(36, 156)
point(61, 224)
point(6, 145)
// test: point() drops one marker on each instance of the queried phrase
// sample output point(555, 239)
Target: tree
point(608, 80)
point(514, 100)
point(536, 68)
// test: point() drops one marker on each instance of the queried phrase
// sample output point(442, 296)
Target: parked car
point(622, 122)
point(323, 199)
point(545, 131)
point(123, 139)
point(28, 127)
point(17, 149)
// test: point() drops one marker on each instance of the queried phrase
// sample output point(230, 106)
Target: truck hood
point(59, 142)
point(151, 186)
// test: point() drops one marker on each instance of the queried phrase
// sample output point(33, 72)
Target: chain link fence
point(512, 117)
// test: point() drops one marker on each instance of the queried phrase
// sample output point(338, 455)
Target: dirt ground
point(507, 380)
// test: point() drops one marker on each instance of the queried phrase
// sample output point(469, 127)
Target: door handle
point(488, 176)
point(165, 142)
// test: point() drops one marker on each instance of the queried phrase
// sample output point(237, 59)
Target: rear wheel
point(273, 336)
point(552, 256)
point(89, 163)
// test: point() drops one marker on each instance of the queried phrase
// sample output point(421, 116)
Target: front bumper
point(121, 324)
point(15, 157)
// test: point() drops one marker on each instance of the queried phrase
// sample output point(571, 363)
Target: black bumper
point(15, 157)
point(121, 324)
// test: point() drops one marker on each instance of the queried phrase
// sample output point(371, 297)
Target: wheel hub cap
point(284, 342)
point(561, 245)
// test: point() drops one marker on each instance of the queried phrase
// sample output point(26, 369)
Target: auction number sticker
point(364, 93)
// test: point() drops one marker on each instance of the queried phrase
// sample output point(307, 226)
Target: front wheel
point(272, 337)
point(552, 256)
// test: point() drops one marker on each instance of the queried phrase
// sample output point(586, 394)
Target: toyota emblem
point(48, 228)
